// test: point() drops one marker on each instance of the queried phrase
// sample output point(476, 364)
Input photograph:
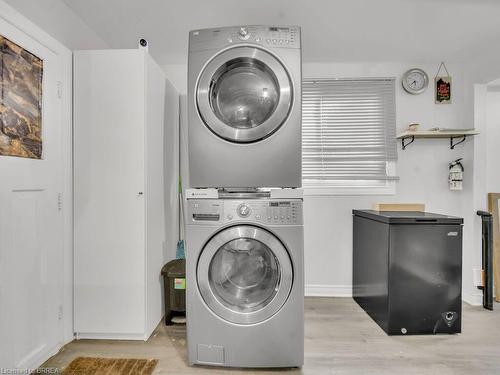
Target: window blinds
point(348, 129)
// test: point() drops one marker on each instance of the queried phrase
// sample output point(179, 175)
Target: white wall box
point(125, 128)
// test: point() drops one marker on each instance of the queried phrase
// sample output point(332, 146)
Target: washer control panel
point(270, 36)
point(265, 211)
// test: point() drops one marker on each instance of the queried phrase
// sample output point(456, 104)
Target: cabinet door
point(109, 193)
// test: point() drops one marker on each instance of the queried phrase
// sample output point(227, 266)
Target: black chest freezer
point(407, 270)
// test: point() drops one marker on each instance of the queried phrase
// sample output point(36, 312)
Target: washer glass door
point(244, 274)
point(244, 94)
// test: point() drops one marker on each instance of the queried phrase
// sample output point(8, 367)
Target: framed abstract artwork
point(21, 75)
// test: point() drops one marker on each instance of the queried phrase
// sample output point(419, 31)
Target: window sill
point(388, 189)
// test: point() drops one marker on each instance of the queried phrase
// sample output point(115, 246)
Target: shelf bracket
point(404, 145)
point(452, 144)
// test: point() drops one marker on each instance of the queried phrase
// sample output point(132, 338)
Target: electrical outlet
point(60, 312)
point(477, 277)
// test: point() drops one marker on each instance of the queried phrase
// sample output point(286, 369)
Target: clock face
point(415, 81)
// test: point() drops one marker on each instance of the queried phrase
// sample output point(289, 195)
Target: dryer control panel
point(269, 36)
point(264, 211)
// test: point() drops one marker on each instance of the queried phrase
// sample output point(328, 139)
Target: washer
point(244, 107)
point(245, 284)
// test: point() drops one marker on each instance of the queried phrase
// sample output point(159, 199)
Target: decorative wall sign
point(442, 86)
point(21, 75)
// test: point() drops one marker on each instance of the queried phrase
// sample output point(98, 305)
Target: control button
point(288, 217)
point(257, 217)
point(268, 40)
point(274, 41)
point(243, 210)
point(276, 218)
point(229, 217)
point(243, 33)
point(269, 217)
point(287, 41)
point(257, 39)
point(282, 217)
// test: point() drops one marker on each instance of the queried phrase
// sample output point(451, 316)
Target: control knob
point(243, 33)
point(243, 210)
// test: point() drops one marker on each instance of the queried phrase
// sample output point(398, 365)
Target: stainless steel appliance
point(245, 285)
point(407, 270)
point(244, 107)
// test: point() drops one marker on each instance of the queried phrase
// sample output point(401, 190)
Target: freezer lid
point(407, 217)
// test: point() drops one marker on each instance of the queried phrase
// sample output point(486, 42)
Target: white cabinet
point(125, 135)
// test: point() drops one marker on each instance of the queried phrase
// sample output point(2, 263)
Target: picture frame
point(442, 85)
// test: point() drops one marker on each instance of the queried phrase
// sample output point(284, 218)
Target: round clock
point(415, 81)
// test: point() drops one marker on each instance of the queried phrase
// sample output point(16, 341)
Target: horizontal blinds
point(348, 129)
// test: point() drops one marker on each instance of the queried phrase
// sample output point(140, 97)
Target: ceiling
point(332, 30)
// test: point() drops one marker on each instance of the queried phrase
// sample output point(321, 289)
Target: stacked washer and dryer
point(244, 222)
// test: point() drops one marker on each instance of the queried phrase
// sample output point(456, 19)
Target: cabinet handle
point(140, 193)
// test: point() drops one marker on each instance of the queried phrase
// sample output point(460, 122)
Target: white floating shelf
point(451, 134)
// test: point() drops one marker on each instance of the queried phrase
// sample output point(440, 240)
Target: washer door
point(244, 94)
point(244, 274)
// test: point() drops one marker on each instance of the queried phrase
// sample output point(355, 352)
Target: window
point(348, 136)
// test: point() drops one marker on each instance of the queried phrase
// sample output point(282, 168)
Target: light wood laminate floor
point(340, 339)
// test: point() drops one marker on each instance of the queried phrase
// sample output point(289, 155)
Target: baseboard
point(110, 336)
point(314, 290)
point(37, 359)
point(474, 299)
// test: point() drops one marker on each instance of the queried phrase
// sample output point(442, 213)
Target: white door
point(31, 230)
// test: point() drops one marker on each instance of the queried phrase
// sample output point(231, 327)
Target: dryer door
point(244, 274)
point(244, 94)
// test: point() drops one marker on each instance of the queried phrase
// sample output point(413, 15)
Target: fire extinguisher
point(456, 175)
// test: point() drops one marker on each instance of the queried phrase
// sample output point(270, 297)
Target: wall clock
point(415, 81)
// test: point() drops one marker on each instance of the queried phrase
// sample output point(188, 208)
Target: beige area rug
point(110, 366)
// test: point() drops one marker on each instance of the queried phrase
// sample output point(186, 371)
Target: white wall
point(177, 75)
point(422, 167)
point(58, 20)
point(492, 139)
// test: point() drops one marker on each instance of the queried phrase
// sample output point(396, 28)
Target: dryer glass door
point(244, 94)
point(244, 274)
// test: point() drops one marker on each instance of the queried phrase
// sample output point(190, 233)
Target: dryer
point(244, 107)
point(245, 283)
